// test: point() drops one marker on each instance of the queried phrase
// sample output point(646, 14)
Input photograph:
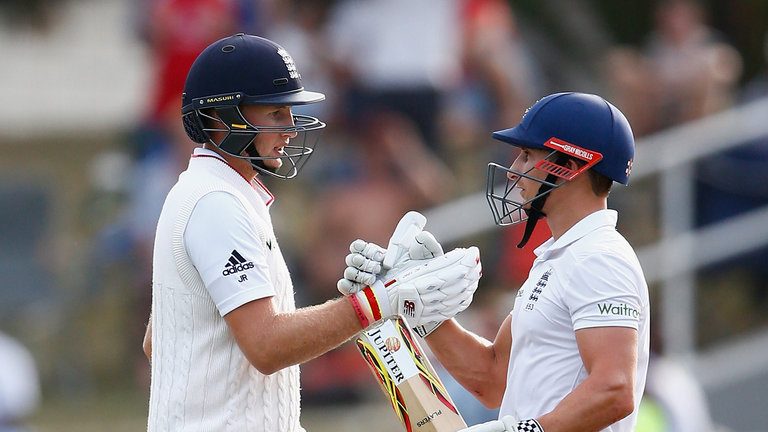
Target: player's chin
point(273, 164)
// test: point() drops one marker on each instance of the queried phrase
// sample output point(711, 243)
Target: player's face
point(525, 162)
point(270, 144)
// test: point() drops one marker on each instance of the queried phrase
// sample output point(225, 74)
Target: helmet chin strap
point(536, 211)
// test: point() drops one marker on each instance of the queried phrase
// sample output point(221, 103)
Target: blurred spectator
point(36, 14)
point(177, 30)
point(696, 72)
point(19, 385)
point(684, 71)
point(395, 55)
point(496, 59)
point(628, 78)
point(499, 81)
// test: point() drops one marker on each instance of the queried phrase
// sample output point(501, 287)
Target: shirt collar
point(593, 221)
point(258, 186)
point(201, 151)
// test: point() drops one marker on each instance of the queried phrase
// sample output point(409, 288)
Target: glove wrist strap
point(425, 329)
point(530, 425)
point(368, 306)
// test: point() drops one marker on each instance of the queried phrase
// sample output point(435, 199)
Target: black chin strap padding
point(537, 206)
point(535, 213)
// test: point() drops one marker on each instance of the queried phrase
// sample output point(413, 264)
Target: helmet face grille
point(507, 205)
point(240, 142)
point(296, 155)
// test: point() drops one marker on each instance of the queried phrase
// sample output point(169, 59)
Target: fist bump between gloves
point(419, 281)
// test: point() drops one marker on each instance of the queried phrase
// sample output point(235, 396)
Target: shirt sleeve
point(603, 291)
point(223, 244)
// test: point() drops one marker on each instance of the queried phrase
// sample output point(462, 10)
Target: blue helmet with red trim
point(583, 120)
point(577, 126)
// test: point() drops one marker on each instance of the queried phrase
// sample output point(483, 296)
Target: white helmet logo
point(289, 64)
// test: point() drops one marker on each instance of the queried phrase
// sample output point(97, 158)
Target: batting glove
point(363, 265)
point(432, 291)
point(367, 260)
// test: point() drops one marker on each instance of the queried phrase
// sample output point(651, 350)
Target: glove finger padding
point(363, 264)
point(358, 276)
point(354, 280)
point(347, 287)
point(371, 251)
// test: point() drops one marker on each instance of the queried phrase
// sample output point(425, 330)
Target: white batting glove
point(506, 424)
point(410, 241)
point(363, 265)
point(367, 260)
point(432, 291)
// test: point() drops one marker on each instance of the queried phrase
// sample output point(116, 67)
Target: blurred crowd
point(414, 88)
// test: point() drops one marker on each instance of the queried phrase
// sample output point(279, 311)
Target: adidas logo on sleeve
point(236, 263)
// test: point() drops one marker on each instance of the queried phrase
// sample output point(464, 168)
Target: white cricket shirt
point(215, 250)
point(589, 277)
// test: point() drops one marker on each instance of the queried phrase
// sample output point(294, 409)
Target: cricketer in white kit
point(589, 277)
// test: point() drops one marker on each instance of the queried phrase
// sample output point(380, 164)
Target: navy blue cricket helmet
point(584, 120)
point(248, 70)
point(581, 126)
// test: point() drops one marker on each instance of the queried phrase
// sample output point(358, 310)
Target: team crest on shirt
point(537, 290)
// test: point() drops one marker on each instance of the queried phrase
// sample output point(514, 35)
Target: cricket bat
point(407, 378)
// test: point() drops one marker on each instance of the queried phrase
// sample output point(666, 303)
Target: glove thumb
point(425, 246)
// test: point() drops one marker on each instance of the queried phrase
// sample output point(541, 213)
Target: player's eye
point(281, 113)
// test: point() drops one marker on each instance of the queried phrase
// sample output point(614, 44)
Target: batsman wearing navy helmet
point(224, 336)
point(572, 355)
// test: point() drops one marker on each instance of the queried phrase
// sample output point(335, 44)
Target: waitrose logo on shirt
point(618, 310)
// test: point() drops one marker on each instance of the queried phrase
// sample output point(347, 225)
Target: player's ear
point(573, 164)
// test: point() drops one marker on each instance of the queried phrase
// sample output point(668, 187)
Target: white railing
point(681, 250)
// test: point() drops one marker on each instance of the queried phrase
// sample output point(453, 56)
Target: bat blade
point(408, 379)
